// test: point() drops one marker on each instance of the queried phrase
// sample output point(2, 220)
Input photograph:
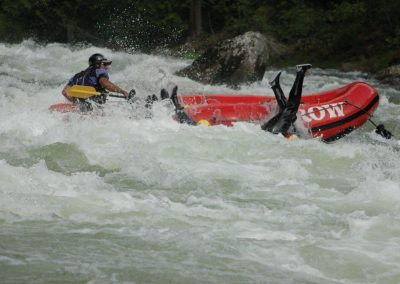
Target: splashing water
point(116, 197)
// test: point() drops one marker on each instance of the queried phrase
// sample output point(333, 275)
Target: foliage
point(135, 26)
point(322, 30)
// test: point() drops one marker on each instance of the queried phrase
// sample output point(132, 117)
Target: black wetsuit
point(288, 108)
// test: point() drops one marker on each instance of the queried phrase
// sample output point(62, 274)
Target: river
point(119, 198)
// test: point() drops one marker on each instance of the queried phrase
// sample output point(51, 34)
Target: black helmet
point(97, 59)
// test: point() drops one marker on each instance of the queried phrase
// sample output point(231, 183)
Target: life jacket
point(90, 77)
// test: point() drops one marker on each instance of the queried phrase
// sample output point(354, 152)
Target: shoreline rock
point(390, 76)
point(242, 59)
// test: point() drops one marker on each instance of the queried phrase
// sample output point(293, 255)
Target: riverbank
point(295, 53)
point(377, 65)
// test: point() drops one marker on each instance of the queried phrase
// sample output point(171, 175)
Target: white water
point(118, 198)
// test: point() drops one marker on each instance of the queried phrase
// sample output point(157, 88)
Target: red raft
point(329, 115)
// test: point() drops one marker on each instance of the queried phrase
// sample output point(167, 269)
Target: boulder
point(390, 75)
point(242, 59)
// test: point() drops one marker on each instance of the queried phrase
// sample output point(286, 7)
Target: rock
point(242, 59)
point(353, 66)
point(390, 75)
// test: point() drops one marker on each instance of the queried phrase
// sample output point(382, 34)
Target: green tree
point(196, 26)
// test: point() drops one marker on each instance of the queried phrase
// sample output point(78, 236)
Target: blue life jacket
point(89, 77)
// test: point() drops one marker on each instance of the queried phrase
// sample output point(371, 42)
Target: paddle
point(86, 92)
point(82, 92)
point(116, 96)
point(131, 95)
point(379, 128)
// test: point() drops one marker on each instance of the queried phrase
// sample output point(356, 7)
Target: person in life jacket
point(96, 76)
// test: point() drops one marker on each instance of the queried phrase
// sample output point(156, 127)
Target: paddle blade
point(164, 94)
point(380, 129)
point(131, 95)
point(82, 92)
